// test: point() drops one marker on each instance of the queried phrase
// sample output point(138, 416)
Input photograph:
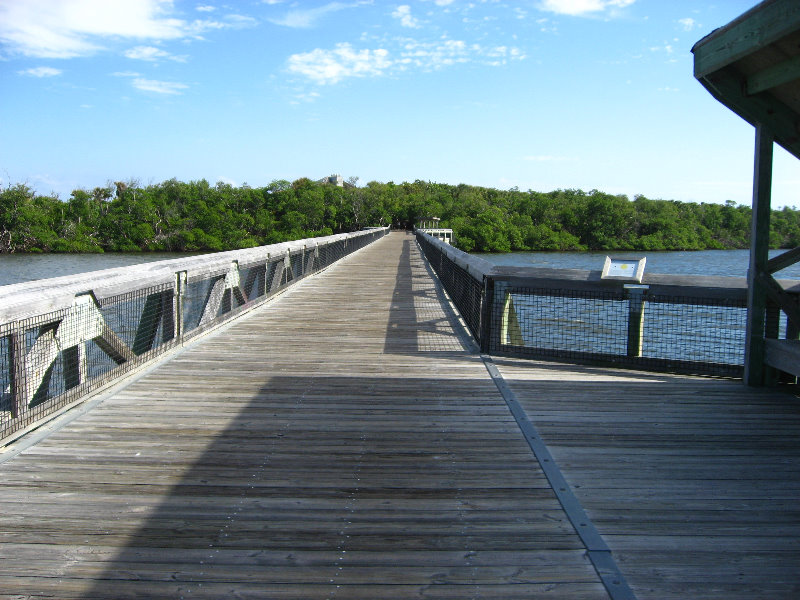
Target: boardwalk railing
point(63, 338)
point(682, 324)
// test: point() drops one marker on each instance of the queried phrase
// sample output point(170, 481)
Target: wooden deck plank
point(343, 442)
point(692, 482)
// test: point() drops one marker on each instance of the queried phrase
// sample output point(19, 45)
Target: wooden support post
point(754, 368)
point(510, 331)
point(18, 380)
point(635, 319)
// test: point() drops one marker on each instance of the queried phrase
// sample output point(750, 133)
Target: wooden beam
point(783, 355)
point(785, 301)
point(754, 371)
point(784, 260)
point(110, 343)
point(755, 29)
point(773, 76)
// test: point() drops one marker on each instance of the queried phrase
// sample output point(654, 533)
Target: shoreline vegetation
point(175, 216)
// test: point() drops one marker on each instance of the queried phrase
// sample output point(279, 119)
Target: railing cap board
point(31, 298)
point(474, 265)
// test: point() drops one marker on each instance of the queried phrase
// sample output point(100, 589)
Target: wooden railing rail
point(63, 338)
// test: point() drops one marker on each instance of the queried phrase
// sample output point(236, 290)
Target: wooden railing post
point(635, 318)
point(16, 348)
point(487, 300)
point(180, 291)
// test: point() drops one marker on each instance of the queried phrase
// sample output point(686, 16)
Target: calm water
point(730, 263)
point(16, 268)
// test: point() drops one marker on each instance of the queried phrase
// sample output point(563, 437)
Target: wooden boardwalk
point(693, 482)
point(346, 441)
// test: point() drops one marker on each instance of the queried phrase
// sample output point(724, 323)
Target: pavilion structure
point(752, 66)
point(430, 225)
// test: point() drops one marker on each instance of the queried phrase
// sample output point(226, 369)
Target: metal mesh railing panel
point(63, 355)
point(272, 271)
point(138, 318)
point(297, 265)
point(6, 377)
point(195, 299)
point(253, 281)
point(679, 334)
point(706, 331)
point(588, 322)
point(464, 290)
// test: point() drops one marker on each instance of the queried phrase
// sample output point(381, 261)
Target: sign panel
point(624, 269)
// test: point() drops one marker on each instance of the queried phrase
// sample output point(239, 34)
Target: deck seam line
point(596, 548)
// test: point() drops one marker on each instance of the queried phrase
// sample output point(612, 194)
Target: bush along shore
point(197, 216)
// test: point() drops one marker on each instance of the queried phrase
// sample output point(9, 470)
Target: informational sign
point(624, 269)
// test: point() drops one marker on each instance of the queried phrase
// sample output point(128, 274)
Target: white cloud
point(444, 53)
point(582, 7)
point(331, 66)
point(306, 97)
point(41, 72)
point(205, 8)
point(238, 22)
point(152, 54)
point(434, 55)
point(688, 23)
point(126, 74)
point(159, 87)
point(69, 28)
point(146, 53)
point(305, 18)
point(72, 28)
point(403, 13)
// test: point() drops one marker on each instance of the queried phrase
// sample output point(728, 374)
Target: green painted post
point(635, 322)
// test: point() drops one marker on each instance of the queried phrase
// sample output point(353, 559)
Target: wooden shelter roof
point(752, 66)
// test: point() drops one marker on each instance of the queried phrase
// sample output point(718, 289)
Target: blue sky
point(539, 94)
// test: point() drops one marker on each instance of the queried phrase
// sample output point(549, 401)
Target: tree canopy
point(196, 216)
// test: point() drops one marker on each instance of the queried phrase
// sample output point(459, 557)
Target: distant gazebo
point(752, 66)
point(428, 222)
point(430, 225)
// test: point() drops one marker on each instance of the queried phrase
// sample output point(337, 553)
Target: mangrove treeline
point(197, 216)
